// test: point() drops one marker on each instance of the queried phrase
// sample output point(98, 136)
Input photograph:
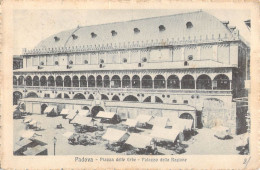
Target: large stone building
point(188, 65)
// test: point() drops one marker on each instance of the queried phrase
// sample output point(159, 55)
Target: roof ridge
point(163, 16)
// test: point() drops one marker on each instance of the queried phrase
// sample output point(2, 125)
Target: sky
point(32, 26)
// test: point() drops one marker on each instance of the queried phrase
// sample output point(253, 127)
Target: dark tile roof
point(204, 26)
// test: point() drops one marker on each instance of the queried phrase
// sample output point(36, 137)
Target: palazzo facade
point(189, 65)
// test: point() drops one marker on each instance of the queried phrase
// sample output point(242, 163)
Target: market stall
point(50, 111)
point(108, 117)
point(160, 122)
point(37, 150)
point(143, 120)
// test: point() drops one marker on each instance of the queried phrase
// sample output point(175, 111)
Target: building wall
point(224, 53)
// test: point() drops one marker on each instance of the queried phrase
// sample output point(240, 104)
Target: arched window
point(189, 25)
point(131, 98)
point(147, 82)
point(91, 97)
point(32, 95)
point(158, 100)
point(159, 82)
point(85, 108)
point(106, 81)
point(221, 82)
point(43, 81)
point(115, 82)
point(203, 82)
point(136, 30)
point(83, 81)
point(104, 97)
point(14, 80)
point(99, 81)
point(66, 96)
point(16, 97)
point(79, 96)
point(75, 81)
point(28, 81)
point(173, 82)
point(67, 81)
point(36, 81)
point(115, 98)
point(91, 81)
point(59, 81)
point(20, 80)
point(126, 82)
point(59, 96)
point(136, 81)
point(187, 116)
point(162, 28)
point(187, 82)
point(147, 99)
point(51, 81)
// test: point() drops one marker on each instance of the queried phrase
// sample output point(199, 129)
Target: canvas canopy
point(115, 135)
point(17, 147)
point(84, 112)
point(72, 114)
point(27, 120)
point(35, 150)
point(67, 134)
point(160, 121)
point(49, 109)
point(17, 112)
point(65, 112)
point(23, 142)
point(82, 120)
point(182, 124)
point(139, 141)
point(221, 131)
point(130, 122)
point(33, 122)
point(27, 134)
point(107, 115)
point(165, 134)
point(143, 118)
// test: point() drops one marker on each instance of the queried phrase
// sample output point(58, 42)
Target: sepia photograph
point(129, 85)
point(150, 82)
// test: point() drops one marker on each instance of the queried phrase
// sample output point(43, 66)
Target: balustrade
point(141, 90)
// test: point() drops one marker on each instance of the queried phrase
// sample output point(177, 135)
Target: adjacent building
point(188, 65)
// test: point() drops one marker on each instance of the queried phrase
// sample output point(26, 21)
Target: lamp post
point(54, 143)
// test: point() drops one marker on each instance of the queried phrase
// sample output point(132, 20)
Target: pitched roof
point(203, 25)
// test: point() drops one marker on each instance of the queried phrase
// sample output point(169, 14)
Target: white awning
point(107, 115)
point(82, 120)
point(160, 122)
point(67, 134)
point(33, 122)
point(35, 150)
point(49, 109)
point(84, 112)
point(166, 134)
point(130, 122)
point(143, 118)
point(23, 142)
point(139, 141)
point(221, 131)
point(182, 124)
point(27, 134)
point(72, 114)
point(27, 120)
point(115, 135)
point(65, 112)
